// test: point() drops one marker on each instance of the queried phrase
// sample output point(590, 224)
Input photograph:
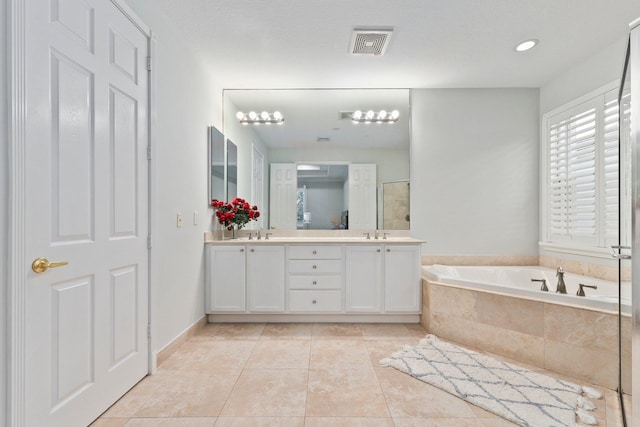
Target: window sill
point(594, 252)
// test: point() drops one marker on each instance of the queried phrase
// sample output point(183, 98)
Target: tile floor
point(294, 375)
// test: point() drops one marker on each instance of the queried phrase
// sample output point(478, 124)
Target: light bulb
point(357, 115)
point(240, 115)
point(526, 45)
point(382, 114)
point(264, 115)
point(253, 115)
point(370, 115)
point(277, 115)
point(394, 115)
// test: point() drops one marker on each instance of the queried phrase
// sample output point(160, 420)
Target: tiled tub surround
point(576, 341)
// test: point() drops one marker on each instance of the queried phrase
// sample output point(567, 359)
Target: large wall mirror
point(319, 142)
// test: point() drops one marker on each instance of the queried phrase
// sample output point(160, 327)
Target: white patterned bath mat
point(522, 396)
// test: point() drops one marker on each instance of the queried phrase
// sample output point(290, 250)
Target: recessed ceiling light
point(526, 45)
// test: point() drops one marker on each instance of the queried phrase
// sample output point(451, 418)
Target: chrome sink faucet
point(560, 288)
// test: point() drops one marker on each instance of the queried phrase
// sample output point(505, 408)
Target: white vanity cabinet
point(226, 277)
point(289, 281)
point(372, 268)
point(363, 279)
point(315, 278)
point(402, 285)
point(265, 278)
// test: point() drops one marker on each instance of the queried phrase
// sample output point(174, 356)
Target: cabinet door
point(226, 279)
point(266, 279)
point(363, 279)
point(282, 196)
point(402, 288)
point(362, 196)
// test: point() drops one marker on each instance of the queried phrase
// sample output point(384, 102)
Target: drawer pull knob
point(315, 252)
point(314, 267)
point(314, 301)
point(378, 250)
point(315, 282)
point(388, 250)
point(241, 250)
point(253, 250)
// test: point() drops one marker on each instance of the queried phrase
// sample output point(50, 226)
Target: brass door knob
point(41, 265)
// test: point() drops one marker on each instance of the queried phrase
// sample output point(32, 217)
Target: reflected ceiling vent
point(370, 42)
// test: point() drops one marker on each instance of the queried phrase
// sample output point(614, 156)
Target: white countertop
point(399, 238)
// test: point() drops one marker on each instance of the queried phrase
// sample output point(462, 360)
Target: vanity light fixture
point(263, 118)
point(371, 116)
point(526, 45)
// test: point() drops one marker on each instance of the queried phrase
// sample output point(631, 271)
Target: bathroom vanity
point(333, 279)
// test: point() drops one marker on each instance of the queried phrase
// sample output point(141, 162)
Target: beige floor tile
point(379, 350)
point(385, 331)
point(174, 394)
point(417, 330)
point(260, 422)
point(437, 422)
point(268, 393)
point(347, 422)
point(409, 397)
point(171, 422)
point(230, 331)
point(109, 422)
point(339, 354)
point(336, 331)
point(285, 354)
point(207, 356)
point(345, 393)
point(282, 331)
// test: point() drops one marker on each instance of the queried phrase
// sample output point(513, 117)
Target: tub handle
point(618, 255)
point(543, 287)
point(581, 287)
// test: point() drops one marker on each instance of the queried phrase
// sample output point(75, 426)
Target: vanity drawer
point(315, 267)
point(315, 301)
point(315, 252)
point(315, 282)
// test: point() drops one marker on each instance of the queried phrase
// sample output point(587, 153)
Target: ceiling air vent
point(370, 42)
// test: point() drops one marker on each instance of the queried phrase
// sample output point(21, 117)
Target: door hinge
point(148, 152)
point(149, 331)
point(148, 63)
point(148, 242)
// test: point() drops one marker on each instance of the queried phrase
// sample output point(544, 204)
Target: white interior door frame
point(16, 266)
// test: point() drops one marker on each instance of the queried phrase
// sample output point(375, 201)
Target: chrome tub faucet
point(543, 287)
point(560, 288)
point(581, 287)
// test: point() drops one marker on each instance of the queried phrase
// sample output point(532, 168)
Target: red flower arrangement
point(238, 212)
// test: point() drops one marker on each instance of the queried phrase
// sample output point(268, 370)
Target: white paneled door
point(86, 204)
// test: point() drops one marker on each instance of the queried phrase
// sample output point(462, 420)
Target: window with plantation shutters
point(581, 151)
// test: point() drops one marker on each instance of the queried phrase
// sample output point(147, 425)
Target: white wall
point(392, 164)
point(186, 105)
point(4, 197)
point(599, 69)
point(474, 171)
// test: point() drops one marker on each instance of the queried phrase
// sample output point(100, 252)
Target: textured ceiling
point(436, 43)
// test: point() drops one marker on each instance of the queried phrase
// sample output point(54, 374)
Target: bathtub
point(501, 311)
point(516, 281)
